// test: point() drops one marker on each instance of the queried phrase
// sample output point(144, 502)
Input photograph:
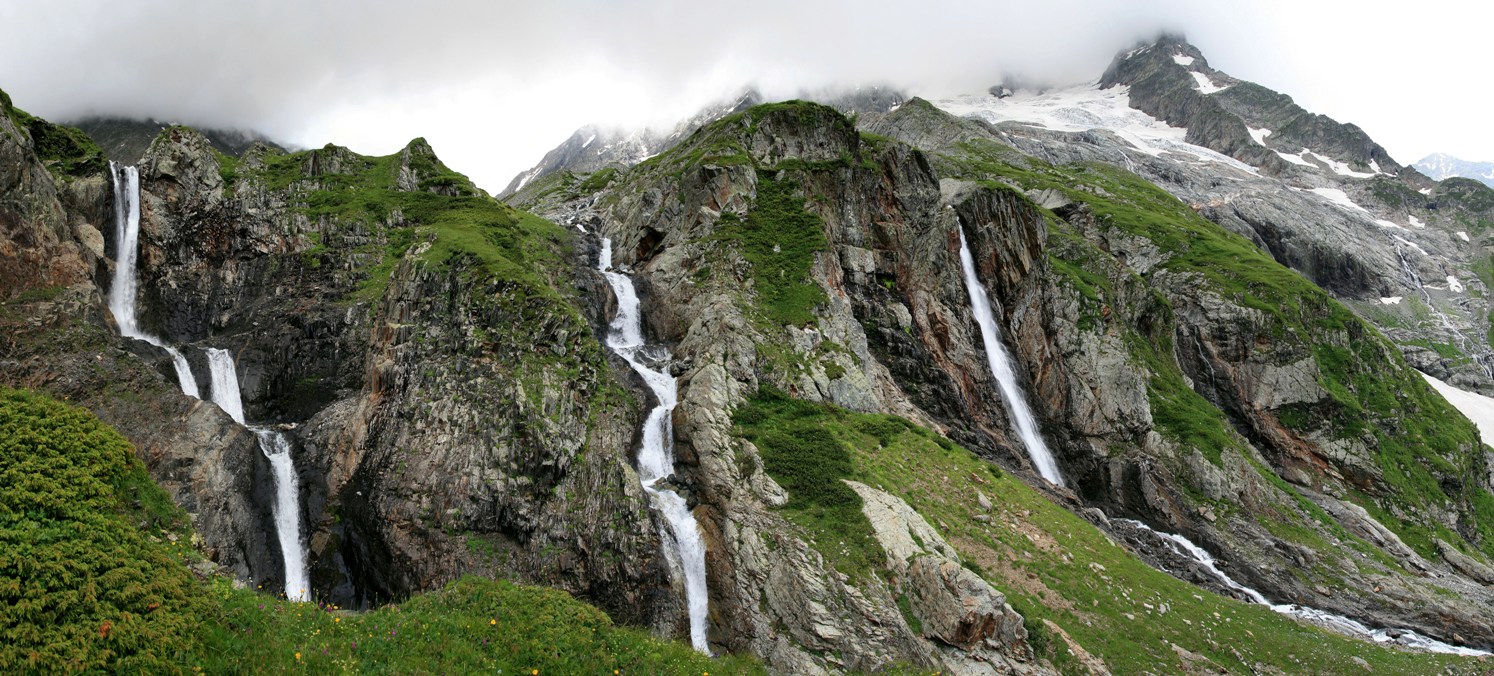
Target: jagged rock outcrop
point(955, 606)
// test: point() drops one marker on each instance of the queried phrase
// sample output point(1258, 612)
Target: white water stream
point(656, 457)
point(1001, 368)
point(1322, 618)
point(225, 380)
point(123, 291)
point(277, 448)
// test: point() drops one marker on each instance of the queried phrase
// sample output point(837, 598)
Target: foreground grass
point(471, 626)
point(94, 577)
point(1051, 564)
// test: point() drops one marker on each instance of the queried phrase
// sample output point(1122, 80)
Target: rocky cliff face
point(1214, 375)
point(1317, 195)
point(62, 340)
point(435, 436)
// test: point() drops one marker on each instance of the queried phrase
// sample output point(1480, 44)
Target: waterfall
point(656, 457)
point(277, 448)
point(127, 245)
point(225, 379)
point(287, 511)
point(123, 290)
point(1001, 367)
point(1336, 623)
point(225, 383)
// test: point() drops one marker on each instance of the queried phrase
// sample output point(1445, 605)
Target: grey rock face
point(955, 606)
point(61, 340)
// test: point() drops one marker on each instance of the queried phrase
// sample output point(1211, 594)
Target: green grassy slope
point(1051, 564)
point(94, 577)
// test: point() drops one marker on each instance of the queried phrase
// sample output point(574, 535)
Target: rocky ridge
point(591, 148)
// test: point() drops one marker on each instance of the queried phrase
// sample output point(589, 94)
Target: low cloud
point(493, 85)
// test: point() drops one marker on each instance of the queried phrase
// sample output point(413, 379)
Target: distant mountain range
point(1438, 166)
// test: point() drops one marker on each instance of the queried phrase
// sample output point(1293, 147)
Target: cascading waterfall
point(656, 458)
point(1482, 357)
point(1001, 368)
point(225, 380)
point(287, 510)
point(122, 292)
point(277, 448)
point(1322, 618)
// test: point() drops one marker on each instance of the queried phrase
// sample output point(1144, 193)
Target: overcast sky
point(493, 85)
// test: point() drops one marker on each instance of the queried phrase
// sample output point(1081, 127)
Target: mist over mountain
point(493, 86)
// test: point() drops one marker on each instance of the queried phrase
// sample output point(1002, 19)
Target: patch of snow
point(589, 139)
point(1464, 236)
point(1411, 244)
point(1425, 191)
point(1259, 134)
point(1416, 222)
point(1182, 59)
point(1388, 224)
point(1297, 158)
point(1392, 300)
point(1340, 168)
point(528, 176)
point(1375, 167)
point(1337, 167)
point(1205, 85)
point(1340, 198)
point(1478, 408)
point(1082, 108)
point(1454, 285)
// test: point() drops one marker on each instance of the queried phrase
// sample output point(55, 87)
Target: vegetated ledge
point(66, 151)
point(97, 573)
point(417, 200)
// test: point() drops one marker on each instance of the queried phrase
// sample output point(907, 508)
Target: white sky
point(493, 85)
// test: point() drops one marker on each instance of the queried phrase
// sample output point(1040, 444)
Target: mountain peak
point(1440, 166)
